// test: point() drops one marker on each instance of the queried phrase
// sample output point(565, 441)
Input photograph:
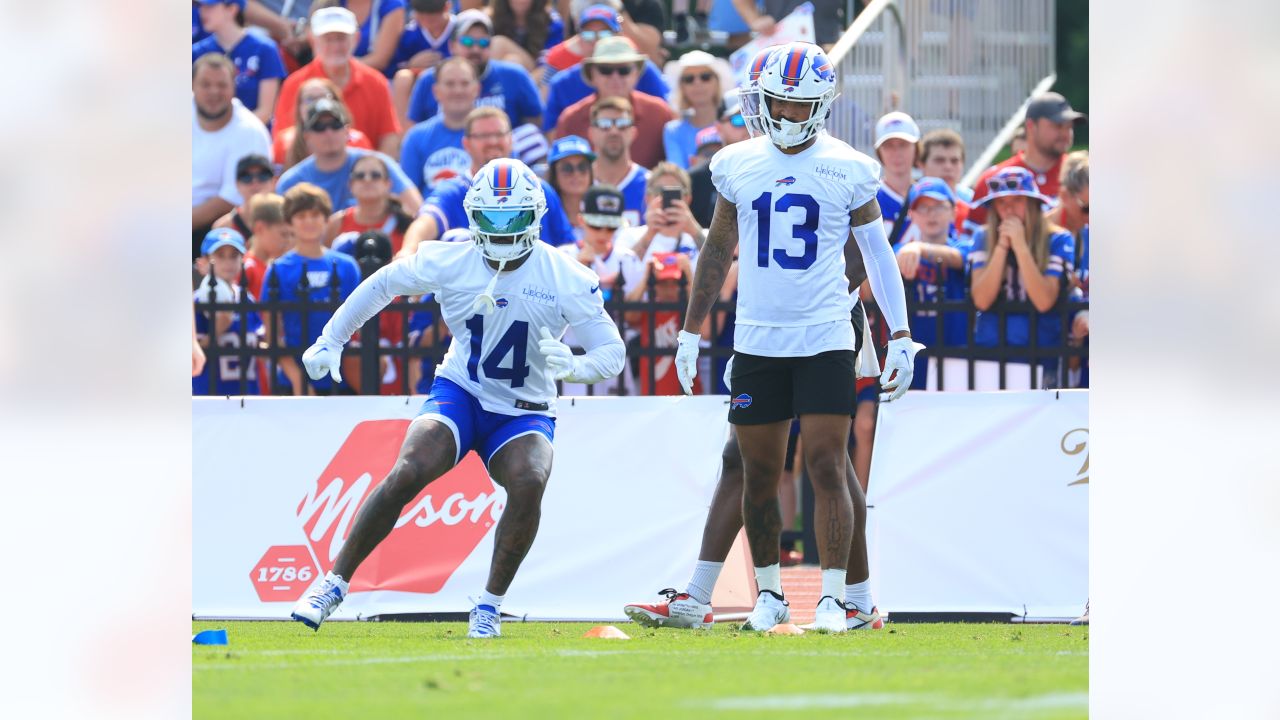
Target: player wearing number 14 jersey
point(790, 200)
point(506, 299)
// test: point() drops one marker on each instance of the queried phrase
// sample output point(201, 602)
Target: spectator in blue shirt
point(486, 137)
point(331, 161)
point(259, 67)
point(523, 30)
point(432, 151)
point(381, 24)
point(502, 84)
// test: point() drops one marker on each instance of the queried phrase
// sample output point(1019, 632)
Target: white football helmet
point(749, 94)
point(504, 209)
point(797, 72)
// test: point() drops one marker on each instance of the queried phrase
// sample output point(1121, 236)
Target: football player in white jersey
point(506, 299)
point(791, 198)
point(691, 608)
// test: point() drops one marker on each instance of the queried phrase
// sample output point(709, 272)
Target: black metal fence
point(241, 359)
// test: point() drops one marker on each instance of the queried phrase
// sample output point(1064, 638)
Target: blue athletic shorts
point(475, 428)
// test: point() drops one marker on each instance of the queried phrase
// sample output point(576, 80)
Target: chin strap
point(485, 302)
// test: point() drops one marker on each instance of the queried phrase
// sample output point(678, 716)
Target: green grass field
point(392, 670)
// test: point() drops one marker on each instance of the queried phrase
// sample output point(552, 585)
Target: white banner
point(276, 483)
point(981, 503)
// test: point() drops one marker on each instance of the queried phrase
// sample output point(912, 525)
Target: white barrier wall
point(276, 482)
point(981, 503)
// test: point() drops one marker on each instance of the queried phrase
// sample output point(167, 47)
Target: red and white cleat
point(855, 619)
point(679, 611)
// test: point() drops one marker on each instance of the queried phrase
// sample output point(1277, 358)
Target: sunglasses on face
point(467, 41)
point(623, 70)
point(594, 35)
point(326, 126)
point(622, 123)
point(704, 77)
point(260, 176)
point(1010, 183)
point(370, 175)
point(568, 168)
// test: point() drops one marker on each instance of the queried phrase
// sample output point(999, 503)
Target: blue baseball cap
point(930, 187)
point(568, 146)
point(219, 237)
point(604, 13)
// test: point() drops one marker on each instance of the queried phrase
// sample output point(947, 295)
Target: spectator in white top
point(670, 225)
point(222, 131)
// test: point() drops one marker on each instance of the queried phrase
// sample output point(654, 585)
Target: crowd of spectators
point(324, 128)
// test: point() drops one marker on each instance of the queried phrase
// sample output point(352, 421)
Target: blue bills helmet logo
point(501, 302)
point(822, 67)
point(788, 181)
point(741, 402)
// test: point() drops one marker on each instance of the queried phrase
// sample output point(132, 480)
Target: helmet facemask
point(797, 73)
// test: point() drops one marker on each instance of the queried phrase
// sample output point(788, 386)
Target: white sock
point(494, 601)
point(833, 583)
point(770, 578)
point(703, 581)
point(859, 594)
point(342, 584)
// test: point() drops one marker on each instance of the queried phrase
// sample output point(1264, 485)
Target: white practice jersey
point(793, 223)
point(494, 356)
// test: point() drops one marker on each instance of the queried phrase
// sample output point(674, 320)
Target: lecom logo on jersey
point(435, 533)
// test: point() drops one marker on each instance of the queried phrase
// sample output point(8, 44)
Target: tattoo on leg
point(514, 536)
point(764, 529)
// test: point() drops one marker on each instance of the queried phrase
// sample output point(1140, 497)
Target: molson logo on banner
point(1076, 442)
point(435, 533)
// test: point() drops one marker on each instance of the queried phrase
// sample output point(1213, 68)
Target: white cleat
point(679, 611)
point(484, 623)
point(771, 609)
point(858, 620)
point(319, 602)
point(829, 617)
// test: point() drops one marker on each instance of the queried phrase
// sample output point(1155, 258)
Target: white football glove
point(323, 358)
point(560, 360)
point(899, 359)
point(687, 359)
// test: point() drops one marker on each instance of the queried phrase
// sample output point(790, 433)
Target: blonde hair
point(666, 168)
point(267, 208)
point(1037, 226)
point(485, 111)
point(682, 103)
point(1075, 172)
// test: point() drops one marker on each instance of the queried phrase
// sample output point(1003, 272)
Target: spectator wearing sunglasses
point(613, 71)
point(596, 23)
point(503, 84)
point(612, 134)
point(254, 176)
point(575, 83)
point(259, 67)
point(432, 150)
point(730, 128)
point(1050, 127)
point(1019, 255)
point(365, 91)
point(569, 172)
point(331, 161)
point(288, 148)
point(374, 210)
point(697, 100)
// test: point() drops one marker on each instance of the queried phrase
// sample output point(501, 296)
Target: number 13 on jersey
point(807, 231)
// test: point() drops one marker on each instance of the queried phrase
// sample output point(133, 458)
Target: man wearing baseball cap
point(1050, 126)
point(572, 84)
point(364, 89)
point(897, 143)
point(613, 70)
point(502, 84)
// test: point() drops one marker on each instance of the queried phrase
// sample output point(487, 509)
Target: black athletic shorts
point(770, 389)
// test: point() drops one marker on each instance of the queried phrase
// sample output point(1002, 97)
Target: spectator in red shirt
point(613, 70)
point(1050, 125)
point(659, 328)
point(271, 238)
point(596, 23)
point(364, 89)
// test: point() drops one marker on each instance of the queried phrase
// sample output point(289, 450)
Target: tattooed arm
point(713, 264)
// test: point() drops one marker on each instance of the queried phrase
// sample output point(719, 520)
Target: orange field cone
point(784, 629)
point(608, 632)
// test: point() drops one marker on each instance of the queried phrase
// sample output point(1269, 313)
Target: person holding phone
point(670, 225)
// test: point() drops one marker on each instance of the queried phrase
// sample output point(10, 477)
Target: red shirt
point(1048, 182)
point(255, 270)
point(366, 95)
point(387, 227)
point(664, 370)
point(562, 56)
point(650, 114)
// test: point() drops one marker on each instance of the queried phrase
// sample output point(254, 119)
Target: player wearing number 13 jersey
point(506, 299)
point(790, 200)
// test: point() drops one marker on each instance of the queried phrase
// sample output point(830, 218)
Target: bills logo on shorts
point(741, 402)
point(788, 181)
